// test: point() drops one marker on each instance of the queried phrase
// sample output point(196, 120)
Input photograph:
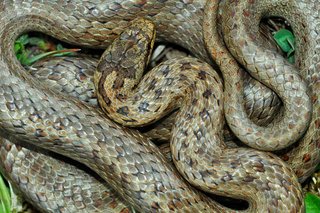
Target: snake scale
point(130, 163)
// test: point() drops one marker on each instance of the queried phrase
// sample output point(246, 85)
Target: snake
point(22, 86)
point(306, 150)
point(10, 147)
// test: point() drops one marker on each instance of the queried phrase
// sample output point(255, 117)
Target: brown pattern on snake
point(74, 76)
point(36, 14)
point(197, 145)
point(96, 164)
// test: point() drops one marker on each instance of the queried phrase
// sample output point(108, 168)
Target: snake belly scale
point(34, 114)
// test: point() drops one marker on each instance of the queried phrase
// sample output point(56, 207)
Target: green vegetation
point(5, 199)
point(43, 48)
point(312, 203)
point(286, 41)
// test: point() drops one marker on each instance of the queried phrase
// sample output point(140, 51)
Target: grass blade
point(4, 197)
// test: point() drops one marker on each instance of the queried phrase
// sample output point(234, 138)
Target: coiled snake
point(131, 164)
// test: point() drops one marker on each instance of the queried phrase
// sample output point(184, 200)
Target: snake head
point(129, 54)
point(122, 64)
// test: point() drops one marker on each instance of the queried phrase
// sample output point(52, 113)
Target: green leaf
point(16, 201)
point(39, 42)
point(24, 39)
point(24, 57)
point(18, 47)
point(312, 203)
point(4, 197)
point(291, 59)
point(286, 41)
point(60, 47)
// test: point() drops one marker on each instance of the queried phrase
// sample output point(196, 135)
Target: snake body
point(55, 186)
point(306, 151)
point(49, 120)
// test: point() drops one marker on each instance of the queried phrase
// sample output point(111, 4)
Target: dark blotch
point(194, 101)
point(123, 111)
point(185, 133)
point(207, 93)
point(165, 70)
point(171, 206)
point(152, 84)
point(189, 116)
point(248, 179)
point(101, 89)
point(103, 66)
point(227, 177)
point(317, 123)
point(204, 114)
point(215, 79)
point(169, 81)
point(198, 134)
point(143, 107)
point(11, 106)
point(125, 178)
point(306, 158)
point(118, 83)
point(183, 77)
point(106, 99)
point(121, 97)
point(285, 157)
point(202, 75)
point(186, 66)
point(155, 205)
point(158, 93)
point(259, 167)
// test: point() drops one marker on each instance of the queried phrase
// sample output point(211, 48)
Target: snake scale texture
point(130, 163)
